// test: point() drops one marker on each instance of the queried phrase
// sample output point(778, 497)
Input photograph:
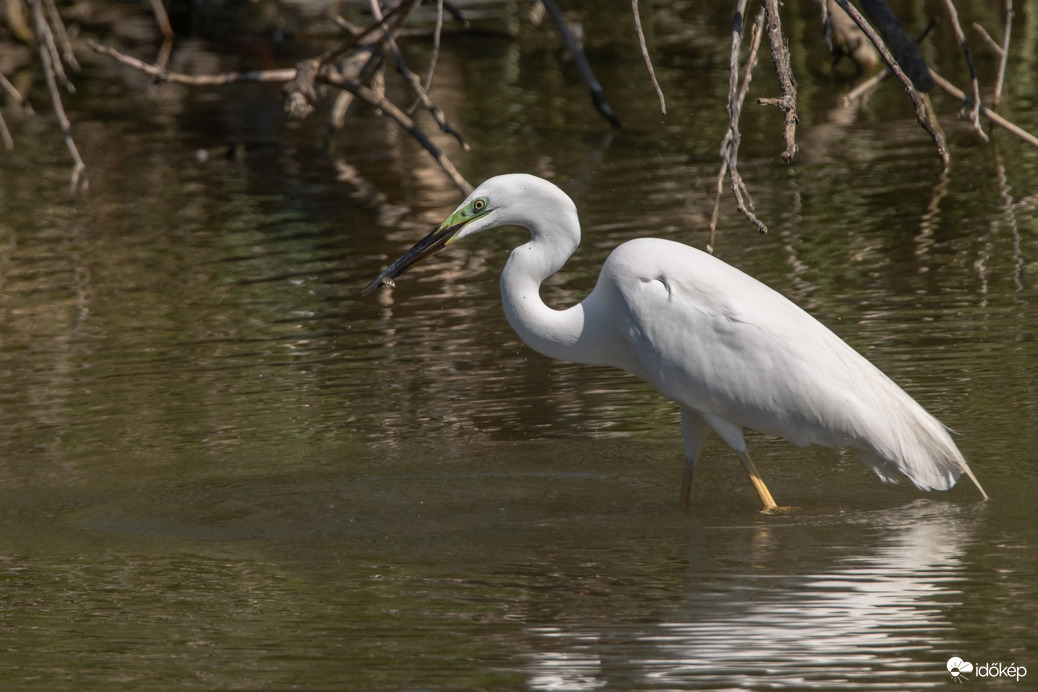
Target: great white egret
point(732, 352)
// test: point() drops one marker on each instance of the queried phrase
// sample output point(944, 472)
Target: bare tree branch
point(47, 54)
point(306, 73)
point(5, 134)
point(329, 76)
point(973, 105)
point(732, 138)
point(989, 114)
point(162, 75)
point(992, 44)
point(1000, 82)
point(300, 93)
point(67, 54)
point(416, 83)
point(920, 108)
point(788, 85)
point(597, 93)
point(905, 51)
point(162, 18)
point(45, 37)
point(423, 97)
point(874, 81)
point(645, 56)
point(15, 95)
point(434, 58)
point(384, 26)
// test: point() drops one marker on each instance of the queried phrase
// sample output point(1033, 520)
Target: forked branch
point(300, 81)
point(788, 85)
point(53, 72)
point(920, 108)
point(732, 138)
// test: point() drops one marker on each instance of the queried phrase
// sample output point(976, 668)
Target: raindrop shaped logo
point(958, 668)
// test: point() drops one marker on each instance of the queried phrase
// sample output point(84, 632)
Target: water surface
point(224, 468)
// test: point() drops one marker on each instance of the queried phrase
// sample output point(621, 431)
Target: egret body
point(732, 352)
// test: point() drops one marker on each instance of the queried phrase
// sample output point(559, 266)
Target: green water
point(223, 468)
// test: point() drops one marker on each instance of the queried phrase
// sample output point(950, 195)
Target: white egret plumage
point(732, 352)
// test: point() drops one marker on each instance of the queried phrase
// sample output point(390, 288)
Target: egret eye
point(479, 205)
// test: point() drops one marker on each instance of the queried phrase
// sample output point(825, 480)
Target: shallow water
point(224, 468)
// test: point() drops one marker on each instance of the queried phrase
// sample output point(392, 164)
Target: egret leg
point(766, 500)
point(732, 434)
point(686, 482)
point(694, 430)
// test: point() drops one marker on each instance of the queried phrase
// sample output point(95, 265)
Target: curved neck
point(553, 333)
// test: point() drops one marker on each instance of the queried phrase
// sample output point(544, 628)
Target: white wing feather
point(722, 343)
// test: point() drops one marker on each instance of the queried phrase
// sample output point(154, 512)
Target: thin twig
point(382, 27)
point(15, 95)
point(867, 86)
point(751, 58)
point(45, 37)
point(906, 52)
point(162, 18)
point(434, 58)
point(282, 75)
point(737, 182)
point(55, 97)
point(992, 43)
point(326, 74)
point(875, 80)
point(5, 134)
point(329, 76)
point(67, 54)
point(165, 52)
point(455, 12)
point(973, 106)
point(827, 25)
point(365, 63)
point(598, 96)
point(360, 67)
point(920, 108)
point(1000, 82)
point(788, 85)
point(732, 137)
point(989, 114)
point(730, 144)
point(416, 85)
point(645, 56)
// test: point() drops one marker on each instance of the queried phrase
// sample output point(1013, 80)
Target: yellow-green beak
point(426, 247)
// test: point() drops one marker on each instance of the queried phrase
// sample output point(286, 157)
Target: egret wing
point(722, 343)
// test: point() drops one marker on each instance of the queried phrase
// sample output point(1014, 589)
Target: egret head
point(500, 201)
